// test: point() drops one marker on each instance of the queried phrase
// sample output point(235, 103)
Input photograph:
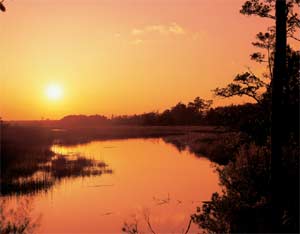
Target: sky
point(116, 57)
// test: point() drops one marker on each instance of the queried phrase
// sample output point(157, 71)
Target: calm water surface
point(150, 177)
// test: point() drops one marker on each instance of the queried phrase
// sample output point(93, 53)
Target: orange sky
point(119, 56)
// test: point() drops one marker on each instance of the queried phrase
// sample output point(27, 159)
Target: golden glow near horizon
point(54, 92)
point(120, 57)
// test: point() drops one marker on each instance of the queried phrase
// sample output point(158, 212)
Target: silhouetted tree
point(2, 7)
point(261, 184)
point(180, 114)
point(266, 9)
point(83, 120)
point(200, 104)
point(242, 208)
point(248, 83)
point(243, 84)
point(278, 110)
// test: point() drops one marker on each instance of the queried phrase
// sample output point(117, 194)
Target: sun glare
point(54, 92)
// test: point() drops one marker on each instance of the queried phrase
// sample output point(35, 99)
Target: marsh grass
point(16, 217)
point(28, 165)
point(47, 174)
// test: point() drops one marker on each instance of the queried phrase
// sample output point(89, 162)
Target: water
point(151, 180)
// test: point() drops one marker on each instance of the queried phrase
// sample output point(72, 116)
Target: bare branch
point(189, 226)
point(295, 38)
point(147, 219)
point(2, 7)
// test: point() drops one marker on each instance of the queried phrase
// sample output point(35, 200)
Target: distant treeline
point(197, 112)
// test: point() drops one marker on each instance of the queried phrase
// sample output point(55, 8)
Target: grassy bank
point(71, 136)
point(218, 146)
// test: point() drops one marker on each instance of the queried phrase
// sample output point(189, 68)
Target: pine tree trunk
point(278, 111)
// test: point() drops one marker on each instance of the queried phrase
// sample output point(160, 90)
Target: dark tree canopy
point(261, 183)
point(243, 84)
point(250, 84)
point(266, 9)
point(2, 7)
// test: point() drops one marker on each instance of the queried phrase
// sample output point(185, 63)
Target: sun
point(54, 92)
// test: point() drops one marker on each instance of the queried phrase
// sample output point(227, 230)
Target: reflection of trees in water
point(218, 146)
point(136, 223)
point(17, 218)
point(143, 220)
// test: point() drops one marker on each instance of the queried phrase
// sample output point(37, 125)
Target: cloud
point(137, 42)
point(176, 29)
point(162, 29)
point(136, 32)
point(171, 29)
